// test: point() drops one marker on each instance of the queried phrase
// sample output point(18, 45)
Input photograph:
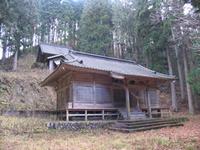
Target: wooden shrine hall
point(94, 87)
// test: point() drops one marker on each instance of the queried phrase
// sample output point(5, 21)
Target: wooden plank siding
point(63, 91)
point(92, 90)
point(91, 95)
point(82, 90)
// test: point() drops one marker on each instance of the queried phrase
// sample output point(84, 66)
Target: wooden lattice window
point(102, 94)
point(83, 93)
point(154, 98)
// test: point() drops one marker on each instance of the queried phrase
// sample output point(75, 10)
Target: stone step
point(147, 124)
point(133, 115)
point(182, 119)
point(134, 126)
point(136, 112)
point(145, 121)
point(147, 128)
point(137, 115)
point(139, 120)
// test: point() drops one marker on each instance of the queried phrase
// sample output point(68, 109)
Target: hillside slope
point(20, 90)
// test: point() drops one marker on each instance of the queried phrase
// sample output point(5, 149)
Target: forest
point(163, 35)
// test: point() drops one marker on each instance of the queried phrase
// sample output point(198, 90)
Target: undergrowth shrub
point(21, 125)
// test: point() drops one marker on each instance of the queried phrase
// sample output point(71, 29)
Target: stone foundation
point(79, 125)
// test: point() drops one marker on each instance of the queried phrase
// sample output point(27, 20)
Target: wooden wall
point(64, 91)
point(92, 91)
point(82, 90)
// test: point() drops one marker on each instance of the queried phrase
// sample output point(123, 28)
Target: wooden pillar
point(127, 102)
point(149, 103)
point(103, 116)
point(51, 65)
point(67, 115)
point(86, 117)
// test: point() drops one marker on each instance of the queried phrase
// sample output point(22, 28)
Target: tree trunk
point(172, 84)
point(42, 37)
point(4, 44)
point(4, 54)
point(49, 34)
point(15, 61)
point(4, 50)
point(134, 47)
point(54, 30)
point(189, 92)
point(191, 64)
point(74, 34)
point(64, 38)
point(17, 48)
point(70, 34)
point(180, 73)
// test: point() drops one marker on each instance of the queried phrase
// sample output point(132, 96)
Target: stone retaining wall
point(79, 125)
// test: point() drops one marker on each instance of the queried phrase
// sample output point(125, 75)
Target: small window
point(132, 82)
point(117, 81)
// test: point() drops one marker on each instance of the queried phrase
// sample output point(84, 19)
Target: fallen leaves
point(181, 138)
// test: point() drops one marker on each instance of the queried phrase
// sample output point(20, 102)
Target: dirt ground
point(31, 134)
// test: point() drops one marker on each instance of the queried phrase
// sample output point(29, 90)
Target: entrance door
point(134, 101)
point(119, 98)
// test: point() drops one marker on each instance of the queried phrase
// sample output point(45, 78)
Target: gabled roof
point(53, 49)
point(82, 60)
point(120, 66)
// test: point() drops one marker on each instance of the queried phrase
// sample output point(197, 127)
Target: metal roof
point(102, 63)
point(53, 49)
point(113, 65)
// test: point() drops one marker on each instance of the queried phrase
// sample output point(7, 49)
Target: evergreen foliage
point(194, 76)
point(196, 3)
point(95, 27)
point(194, 80)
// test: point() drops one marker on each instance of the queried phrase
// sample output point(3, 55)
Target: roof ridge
point(88, 54)
point(101, 56)
point(56, 45)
